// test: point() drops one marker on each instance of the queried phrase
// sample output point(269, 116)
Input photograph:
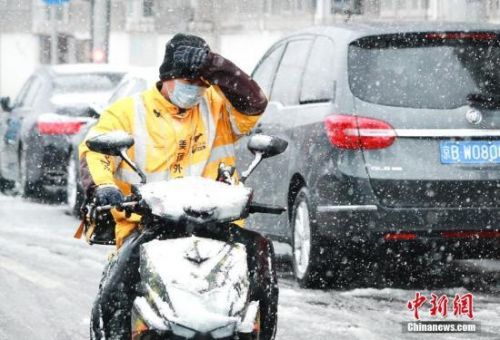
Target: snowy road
point(48, 281)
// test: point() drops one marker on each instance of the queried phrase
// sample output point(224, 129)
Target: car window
point(318, 82)
point(264, 73)
point(287, 82)
point(34, 90)
point(138, 85)
point(437, 74)
point(19, 102)
point(88, 82)
point(119, 92)
point(128, 88)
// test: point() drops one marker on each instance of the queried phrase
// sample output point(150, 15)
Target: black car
point(394, 143)
point(35, 130)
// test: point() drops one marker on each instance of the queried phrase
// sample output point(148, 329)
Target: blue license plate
point(470, 152)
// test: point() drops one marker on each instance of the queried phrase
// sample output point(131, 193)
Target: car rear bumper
point(49, 162)
point(374, 218)
point(347, 205)
point(362, 219)
point(472, 229)
point(458, 248)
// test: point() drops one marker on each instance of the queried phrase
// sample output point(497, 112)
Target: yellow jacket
point(168, 144)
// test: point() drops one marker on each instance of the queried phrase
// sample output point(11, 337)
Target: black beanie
point(167, 69)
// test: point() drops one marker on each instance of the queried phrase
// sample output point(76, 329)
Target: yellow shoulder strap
point(79, 231)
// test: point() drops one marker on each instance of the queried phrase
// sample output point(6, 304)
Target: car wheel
point(74, 191)
point(27, 187)
point(6, 185)
point(307, 258)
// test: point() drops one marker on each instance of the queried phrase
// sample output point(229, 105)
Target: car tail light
point(471, 234)
point(53, 124)
point(462, 35)
point(352, 132)
point(400, 236)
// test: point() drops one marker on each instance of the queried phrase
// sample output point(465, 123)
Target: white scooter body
point(195, 285)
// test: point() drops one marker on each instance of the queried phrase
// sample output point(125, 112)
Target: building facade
point(138, 29)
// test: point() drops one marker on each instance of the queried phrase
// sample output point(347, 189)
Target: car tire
point(74, 191)
point(308, 256)
point(27, 188)
point(6, 185)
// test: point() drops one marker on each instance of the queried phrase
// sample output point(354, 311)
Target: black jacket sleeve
point(240, 89)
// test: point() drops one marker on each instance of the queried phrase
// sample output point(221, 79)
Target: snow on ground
point(48, 281)
point(370, 313)
point(47, 278)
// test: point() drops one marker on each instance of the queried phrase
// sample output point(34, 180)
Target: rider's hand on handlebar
point(108, 194)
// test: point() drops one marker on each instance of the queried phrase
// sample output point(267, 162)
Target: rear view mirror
point(115, 143)
point(263, 146)
point(268, 146)
point(5, 104)
point(112, 143)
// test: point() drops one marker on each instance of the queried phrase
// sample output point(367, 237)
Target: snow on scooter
point(194, 285)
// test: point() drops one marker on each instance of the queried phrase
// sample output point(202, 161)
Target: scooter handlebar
point(118, 206)
point(266, 208)
point(254, 207)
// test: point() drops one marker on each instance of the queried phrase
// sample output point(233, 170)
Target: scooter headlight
point(224, 332)
point(182, 331)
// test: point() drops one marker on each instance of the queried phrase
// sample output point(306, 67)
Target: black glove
point(108, 194)
point(190, 58)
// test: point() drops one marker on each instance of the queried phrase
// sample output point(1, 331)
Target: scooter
point(193, 286)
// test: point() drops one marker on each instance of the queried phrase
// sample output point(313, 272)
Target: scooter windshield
point(196, 198)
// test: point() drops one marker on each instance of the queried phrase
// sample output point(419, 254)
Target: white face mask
point(185, 95)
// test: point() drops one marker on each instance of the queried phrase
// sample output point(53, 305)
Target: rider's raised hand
point(190, 58)
point(108, 195)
